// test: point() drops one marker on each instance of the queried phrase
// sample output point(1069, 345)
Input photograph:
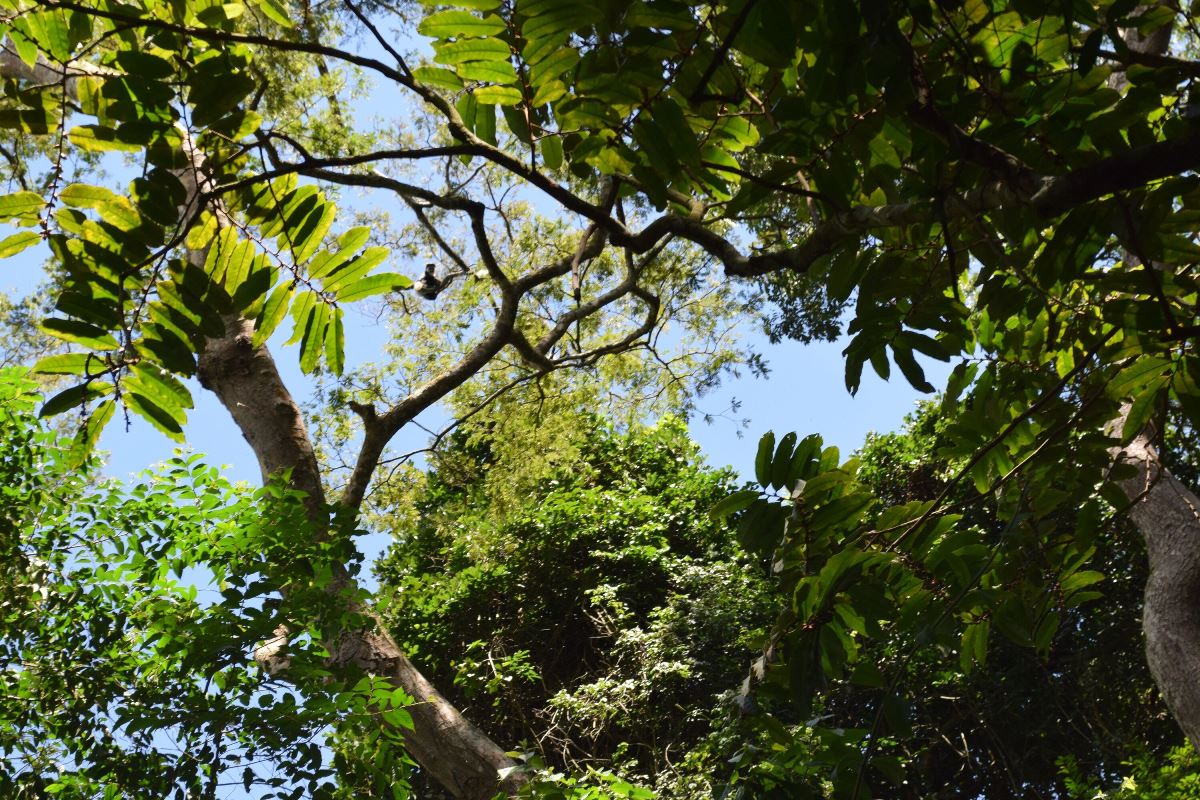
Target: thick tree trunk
point(456, 754)
point(1167, 514)
point(459, 756)
point(245, 379)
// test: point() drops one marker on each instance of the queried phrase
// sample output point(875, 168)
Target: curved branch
point(380, 430)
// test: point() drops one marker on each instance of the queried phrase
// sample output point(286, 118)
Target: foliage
point(122, 678)
point(601, 620)
point(1090, 696)
point(958, 667)
point(1005, 184)
point(1143, 777)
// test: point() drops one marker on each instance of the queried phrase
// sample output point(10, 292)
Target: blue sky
point(805, 391)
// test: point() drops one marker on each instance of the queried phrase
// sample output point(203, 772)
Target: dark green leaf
point(762, 462)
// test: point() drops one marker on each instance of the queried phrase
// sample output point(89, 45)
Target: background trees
point(1005, 185)
point(599, 621)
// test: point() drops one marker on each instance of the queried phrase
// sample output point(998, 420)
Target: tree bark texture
point(456, 754)
point(1167, 515)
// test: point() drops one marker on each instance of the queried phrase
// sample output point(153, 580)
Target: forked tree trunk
point(455, 753)
point(458, 756)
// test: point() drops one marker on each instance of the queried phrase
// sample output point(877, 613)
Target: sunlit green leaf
point(74, 397)
point(371, 285)
point(11, 245)
point(80, 333)
point(456, 24)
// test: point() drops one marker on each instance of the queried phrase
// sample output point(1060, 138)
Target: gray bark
point(1167, 514)
point(459, 756)
point(454, 752)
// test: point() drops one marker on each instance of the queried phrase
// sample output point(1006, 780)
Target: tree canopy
point(607, 189)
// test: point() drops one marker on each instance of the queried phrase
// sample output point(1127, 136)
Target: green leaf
point(1142, 408)
point(548, 93)
point(471, 50)
point(485, 122)
point(911, 369)
point(398, 718)
point(802, 461)
point(371, 285)
point(356, 268)
point(488, 72)
point(335, 343)
point(26, 48)
point(552, 152)
point(762, 463)
point(781, 463)
point(100, 139)
point(21, 206)
point(162, 387)
point(1043, 635)
point(217, 16)
point(467, 108)
point(70, 364)
point(553, 66)
point(440, 77)
point(238, 124)
point(307, 228)
point(733, 504)
point(312, 343)
point(301, 312)
point(1076, 581)
point(113, 208)
point(557, 18)
point(27, 120)
point(257, 283)
point(89, 434)
point(457, 24)
point(354, 238)
point(497, 96)
point(973, 650)
point(867, 674)
point(11, 245)
point(74, 397)
point(80, 333)
point(276, 11)
point(327, 262)
point(155, 414)
point(273, 312)
point(514, 118)
point(240, 263)
point(169, 347)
